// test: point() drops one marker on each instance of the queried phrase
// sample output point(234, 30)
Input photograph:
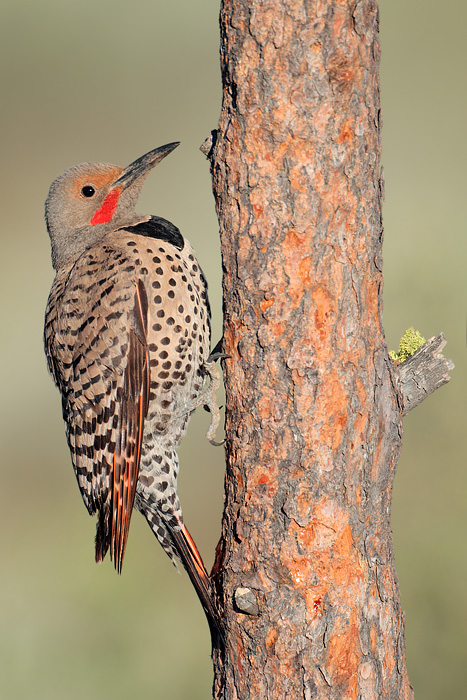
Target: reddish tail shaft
point(191, 560)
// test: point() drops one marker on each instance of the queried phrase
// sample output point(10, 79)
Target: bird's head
point(91, 199)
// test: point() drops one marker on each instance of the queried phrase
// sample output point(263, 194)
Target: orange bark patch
point(306, 270)
point(330, 568)
point(321, 118)
point(278, 329)
point(300, 571)
point(346, 566)
point(330, 409)
point(317, 606)
point(266, 303)
point(343, 657)
point(298, 180)
point(324, 312)
point(346, 132)
point(314, 600)
point(293, 250)
point(270, 640)
point(266, 407)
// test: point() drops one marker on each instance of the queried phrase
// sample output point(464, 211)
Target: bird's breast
point(178, 330)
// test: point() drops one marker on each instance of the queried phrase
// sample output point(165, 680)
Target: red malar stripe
point(107, 209)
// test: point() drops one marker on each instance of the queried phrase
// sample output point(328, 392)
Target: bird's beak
point(132, 175)
point(143, 165)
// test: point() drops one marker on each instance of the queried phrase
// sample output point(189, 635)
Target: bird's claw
point(214, 356)
point(207, 399)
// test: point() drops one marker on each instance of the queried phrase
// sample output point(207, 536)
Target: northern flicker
point(127, 338)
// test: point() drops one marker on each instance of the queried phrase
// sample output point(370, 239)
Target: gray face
point(91, 199)
point(83, 205)
point(74, 198)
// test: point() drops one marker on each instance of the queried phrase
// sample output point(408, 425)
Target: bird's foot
point(207, 399)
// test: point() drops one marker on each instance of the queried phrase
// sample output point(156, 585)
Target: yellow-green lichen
point(409, 343)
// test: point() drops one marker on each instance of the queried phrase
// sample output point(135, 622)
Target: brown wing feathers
point(133, 400)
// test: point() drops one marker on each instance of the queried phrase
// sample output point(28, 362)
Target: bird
point(127, 342)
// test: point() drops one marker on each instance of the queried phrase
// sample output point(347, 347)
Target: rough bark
point(422, 373)
point(305, 567)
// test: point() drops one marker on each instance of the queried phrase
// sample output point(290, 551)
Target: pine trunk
point(305, 567)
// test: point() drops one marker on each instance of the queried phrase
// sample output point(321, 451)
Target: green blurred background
point(109, 81)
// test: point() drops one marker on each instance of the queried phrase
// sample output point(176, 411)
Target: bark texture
point(305, 567)
point(422, 373)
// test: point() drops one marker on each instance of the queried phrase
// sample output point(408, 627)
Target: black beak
point(143, 165)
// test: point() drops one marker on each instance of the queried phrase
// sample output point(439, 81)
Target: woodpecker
point(127, 339)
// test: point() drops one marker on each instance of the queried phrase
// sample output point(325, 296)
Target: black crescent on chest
point(159, 228)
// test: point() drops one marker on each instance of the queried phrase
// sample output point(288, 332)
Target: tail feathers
point(102, 534)
point(191, 560)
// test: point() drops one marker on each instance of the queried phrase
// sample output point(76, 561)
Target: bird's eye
point(88, 191)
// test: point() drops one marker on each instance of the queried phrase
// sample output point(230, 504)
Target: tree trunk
point(305, 567)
